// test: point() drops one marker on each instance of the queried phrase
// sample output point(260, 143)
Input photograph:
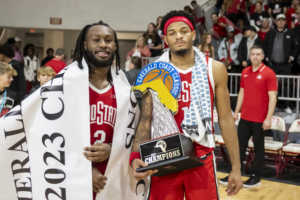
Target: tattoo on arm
point(143, 131)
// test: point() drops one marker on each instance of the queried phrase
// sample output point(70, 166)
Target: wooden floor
point(268, 190)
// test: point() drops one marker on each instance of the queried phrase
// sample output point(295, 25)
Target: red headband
point(178, 19)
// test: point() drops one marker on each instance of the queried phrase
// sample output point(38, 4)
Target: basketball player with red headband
point(200, 182)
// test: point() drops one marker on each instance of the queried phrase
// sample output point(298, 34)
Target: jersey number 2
point(103, 136)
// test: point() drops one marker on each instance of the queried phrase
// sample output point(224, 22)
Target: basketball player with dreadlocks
point(204, 82)
point(109, 97)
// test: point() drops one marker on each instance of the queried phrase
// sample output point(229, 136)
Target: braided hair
point(81, 53)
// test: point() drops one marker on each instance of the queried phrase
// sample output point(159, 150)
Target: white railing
point(288, 86)
point(148, 60)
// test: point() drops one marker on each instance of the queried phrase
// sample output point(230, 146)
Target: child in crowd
point(8, 98)
point(44, 74)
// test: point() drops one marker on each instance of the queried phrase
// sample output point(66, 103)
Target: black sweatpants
point(246, 129)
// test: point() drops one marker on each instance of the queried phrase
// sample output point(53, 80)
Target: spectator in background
point(251, 38)
point(276, 7)
point(228, 50)
point(256, 101)
point(219, 27)
point(8, 98)
point(44, 74)
point(281, 48)
point(31, 65)
point(199, 13)
point(236, 11)
point(16, 43)
point(18, 84)
point(50, 56)
point(159, 32)
point(296, 17)
point(135, 64)
point(265, 28)
point(296, 64)
point(153, 40)
point(140, 49)
point(206, 47)
point(188, 9)
point(253, 7)
point(25, 50)
point(258, 15)
point(158, 22)
point(290, 13)
point(219, 5)
point(57, 63)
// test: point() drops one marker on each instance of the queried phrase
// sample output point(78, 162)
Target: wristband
point(134, 155)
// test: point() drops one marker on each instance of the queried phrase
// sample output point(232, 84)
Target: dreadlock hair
point(175, 13)
point(81, 53)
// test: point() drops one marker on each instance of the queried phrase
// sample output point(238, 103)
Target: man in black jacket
point(281, 48)
point(251, 38)
point(19, 83)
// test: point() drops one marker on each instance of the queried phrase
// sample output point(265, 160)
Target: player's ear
point(165, 40)
point(194, 35)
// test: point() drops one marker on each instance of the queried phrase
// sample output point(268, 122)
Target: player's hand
point(234, 183)
point(101, 152)
point(99, 181)
point(245, 64)
point(137, 163)
point(267, 124)
point(236, 116)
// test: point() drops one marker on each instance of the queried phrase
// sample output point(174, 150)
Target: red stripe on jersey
point(103, 112)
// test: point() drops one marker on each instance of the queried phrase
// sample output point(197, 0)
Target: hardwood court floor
point(268, 190)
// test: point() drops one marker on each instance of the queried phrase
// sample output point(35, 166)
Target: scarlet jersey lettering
point(103, 112)
point(184, 100)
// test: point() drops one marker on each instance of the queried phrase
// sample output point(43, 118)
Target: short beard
point(181, 52)
point(97, 63)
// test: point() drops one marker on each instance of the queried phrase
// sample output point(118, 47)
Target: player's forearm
point(229, 135)
point(143, 131)
point(271, 106)
point(239, 102)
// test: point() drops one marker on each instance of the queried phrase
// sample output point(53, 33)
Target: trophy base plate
point(172, 166)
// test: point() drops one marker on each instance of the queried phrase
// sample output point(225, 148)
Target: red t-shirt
point(252, 9)
point(184, 102)
point(103, 111)
point(220, 29)
point(256, 87)
point(56, 65)
point(289, 15)
point(262, 35)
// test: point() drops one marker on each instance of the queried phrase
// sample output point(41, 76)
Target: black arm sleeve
point(21, 81)
point(295, 46)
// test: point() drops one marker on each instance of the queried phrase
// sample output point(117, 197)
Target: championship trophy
point(168, 151)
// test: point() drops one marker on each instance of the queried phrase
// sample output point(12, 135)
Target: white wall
point(121, 15)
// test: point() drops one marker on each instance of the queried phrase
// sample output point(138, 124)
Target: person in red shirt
point(296, 17)
point(257, 101)
point(56, 63)
point(178, 28)
point(264, 28)
point(290, 13)
point(219, 27)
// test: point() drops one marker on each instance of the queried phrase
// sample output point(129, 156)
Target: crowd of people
point(22, 73)
point(237, 26)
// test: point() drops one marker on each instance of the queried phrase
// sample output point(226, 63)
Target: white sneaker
point(288, 110)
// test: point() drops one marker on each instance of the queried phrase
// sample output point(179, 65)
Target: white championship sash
point(42, 141)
